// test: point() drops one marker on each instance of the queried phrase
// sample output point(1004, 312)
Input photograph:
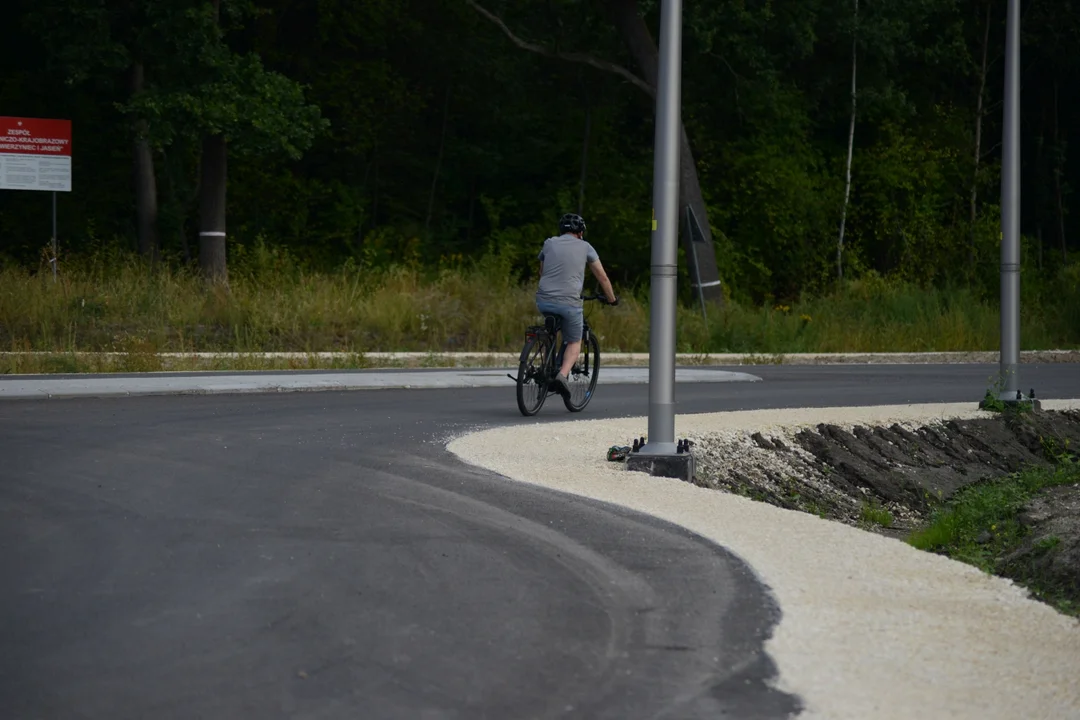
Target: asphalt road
point(320, 555)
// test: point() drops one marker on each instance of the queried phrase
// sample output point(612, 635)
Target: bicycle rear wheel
point(532, 380)
point(583, 376)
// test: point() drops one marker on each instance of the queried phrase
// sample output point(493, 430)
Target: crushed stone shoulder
point(870, 626)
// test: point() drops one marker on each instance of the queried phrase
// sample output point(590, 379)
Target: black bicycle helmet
point(571, 223)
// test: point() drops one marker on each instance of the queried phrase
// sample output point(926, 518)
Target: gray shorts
point(573, 318)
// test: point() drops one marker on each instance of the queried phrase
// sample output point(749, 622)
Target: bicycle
point(539, 363)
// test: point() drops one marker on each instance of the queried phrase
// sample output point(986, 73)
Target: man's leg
point(570, 357)
point(573, 323)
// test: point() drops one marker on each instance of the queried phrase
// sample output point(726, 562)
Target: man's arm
point(601, 277)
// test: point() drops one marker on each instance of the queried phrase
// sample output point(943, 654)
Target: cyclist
point(563, 260)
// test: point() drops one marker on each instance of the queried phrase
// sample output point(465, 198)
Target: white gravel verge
point(871, 627)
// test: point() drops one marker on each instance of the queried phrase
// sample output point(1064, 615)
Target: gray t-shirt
point(564, 259)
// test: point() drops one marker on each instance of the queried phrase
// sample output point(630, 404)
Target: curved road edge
point(324, 555)
point(870, 626)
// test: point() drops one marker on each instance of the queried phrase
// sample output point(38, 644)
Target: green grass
point(402, 309)
point(989, 507)
point(875, 515)
point(136, 360)
point(876, 315)
point(117, 304)
point(980, 524)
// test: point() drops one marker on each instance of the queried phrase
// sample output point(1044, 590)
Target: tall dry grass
point(118, 304)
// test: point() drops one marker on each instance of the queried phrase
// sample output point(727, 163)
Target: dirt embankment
point(891, 479)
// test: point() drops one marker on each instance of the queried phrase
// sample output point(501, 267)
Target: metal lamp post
point(1010, 211)
point(665, 231)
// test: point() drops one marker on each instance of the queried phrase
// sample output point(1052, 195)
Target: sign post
point(35, 154)
point(55, 249)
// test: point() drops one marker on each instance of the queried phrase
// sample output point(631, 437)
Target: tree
point(850, 147)
point(185, 85)
point(625, 16)
point(146, 195)
point(91, 42)
point(165, 94)
point(223, 100)
point(1051, 31)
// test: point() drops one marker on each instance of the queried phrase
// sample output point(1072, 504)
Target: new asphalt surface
point(320, 555)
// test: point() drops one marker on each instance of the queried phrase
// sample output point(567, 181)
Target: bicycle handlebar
point(600, 298)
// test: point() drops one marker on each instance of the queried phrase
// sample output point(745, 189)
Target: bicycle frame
point(539, 366)
point(553, 358)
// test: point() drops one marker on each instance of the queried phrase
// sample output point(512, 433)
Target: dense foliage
point(417, 131)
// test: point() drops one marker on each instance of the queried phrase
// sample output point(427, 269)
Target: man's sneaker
point(562, 384)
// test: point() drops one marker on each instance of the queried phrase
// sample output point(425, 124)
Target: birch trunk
point(850, 149)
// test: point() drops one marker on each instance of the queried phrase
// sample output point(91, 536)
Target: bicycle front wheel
point(532, 381)
point(583, 376)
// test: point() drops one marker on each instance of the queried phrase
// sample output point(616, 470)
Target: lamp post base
point(1011, 401)
point(680, 466)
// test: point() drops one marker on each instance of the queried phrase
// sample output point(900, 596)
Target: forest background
point(387, 170)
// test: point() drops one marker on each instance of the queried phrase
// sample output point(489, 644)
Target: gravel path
point(871, 627)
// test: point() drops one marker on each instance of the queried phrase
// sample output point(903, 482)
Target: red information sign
point(35, 154)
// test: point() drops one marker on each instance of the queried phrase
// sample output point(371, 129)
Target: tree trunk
point(212, 209)
point(212, 186)
point(635, 33)
point(850, 149)
point(146, 200)
point(978, 139)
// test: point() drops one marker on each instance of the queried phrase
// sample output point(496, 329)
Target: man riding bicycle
point(563, 260)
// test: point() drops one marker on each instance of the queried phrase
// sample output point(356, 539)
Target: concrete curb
point(375, 360)
point(22, 387)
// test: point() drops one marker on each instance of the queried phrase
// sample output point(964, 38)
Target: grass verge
point(982, 526)
point(873, 514)
point(141, 361)
point(118, 304)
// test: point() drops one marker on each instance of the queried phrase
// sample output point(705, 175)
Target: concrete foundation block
point(680, 466)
